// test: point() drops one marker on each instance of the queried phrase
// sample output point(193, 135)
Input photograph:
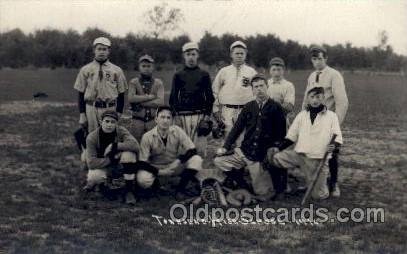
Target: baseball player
point(283, 92)
point(336, 100)
point(311, 132)
point(192, 97)
point(101, 86)
point(146, 93)
point(111, 149)
point(231, 87)
point(264, 124)
point(166, 150)
point(279, 89)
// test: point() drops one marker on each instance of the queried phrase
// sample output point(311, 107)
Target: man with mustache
point(231, 87)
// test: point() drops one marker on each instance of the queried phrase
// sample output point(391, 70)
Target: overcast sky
point(330, 21)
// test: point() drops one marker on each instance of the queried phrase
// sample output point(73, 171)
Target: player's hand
point(271, 152)
point(151, 96)
point(108, 150)
point(221, 151)
point(217, 116)
point(330, 148)
point(83, 121)
point(175, 164)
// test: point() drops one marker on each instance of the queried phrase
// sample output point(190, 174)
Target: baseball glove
point(212, 193)
point(204, 127)
point(218, 131)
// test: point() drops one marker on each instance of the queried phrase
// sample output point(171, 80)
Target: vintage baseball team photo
point(203, 126)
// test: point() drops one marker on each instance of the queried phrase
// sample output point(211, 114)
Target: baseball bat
point(317, 174)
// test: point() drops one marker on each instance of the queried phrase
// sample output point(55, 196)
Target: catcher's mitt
point(212, 193)
point(204, 127)
point(218, 130)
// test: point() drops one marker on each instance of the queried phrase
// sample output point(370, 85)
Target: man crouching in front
point(167, 150)
point(111, 149)
point(311, 131)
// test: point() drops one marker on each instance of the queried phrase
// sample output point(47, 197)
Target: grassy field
point(41, 212)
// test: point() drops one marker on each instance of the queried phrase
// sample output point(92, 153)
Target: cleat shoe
point(209, 194)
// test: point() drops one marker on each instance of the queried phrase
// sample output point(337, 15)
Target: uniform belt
point(101, 104)
point(233, 106)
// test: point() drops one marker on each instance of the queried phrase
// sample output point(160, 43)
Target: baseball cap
point(238, 44)
point(277, 61)
point(146, 58)
point(317, 48)
point(316, 90)
point(190, 45)
point(258, 76)
point(110, 113)
point(102, 40)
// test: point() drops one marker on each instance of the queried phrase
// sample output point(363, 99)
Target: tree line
point(55, 48)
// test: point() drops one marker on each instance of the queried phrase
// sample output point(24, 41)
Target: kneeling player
point(311, 130)
point(166, 150)
point(111, 149)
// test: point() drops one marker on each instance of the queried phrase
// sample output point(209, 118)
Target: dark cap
point(277, 61)
point(110, 113)
point(316, 90)
point(257, 77)
point(165, 107)
point(317, 49)
point(146, 58)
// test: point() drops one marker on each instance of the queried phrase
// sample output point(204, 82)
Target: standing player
point(191, 96)
point(279, 89)
point(101, 86)
point(335, 99)
point(283, 92)
point(146, 93)
point(231, 87)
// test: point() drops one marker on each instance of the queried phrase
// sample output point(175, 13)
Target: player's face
point(238, 55)
point(101, 52)
point(164, 119)
point(146, 68)
point(276, 71)
point(315, 99)
point(191, 58)
point(319, 61)
point(109, 124)
point(259, 88)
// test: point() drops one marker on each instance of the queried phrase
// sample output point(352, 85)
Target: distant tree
point(162, 19)
point(15, 49)
point(383, 38)
point(211, 49)
point(73, 56)
point(175, 53)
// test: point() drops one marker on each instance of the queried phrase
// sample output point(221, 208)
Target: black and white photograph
point(203, 126)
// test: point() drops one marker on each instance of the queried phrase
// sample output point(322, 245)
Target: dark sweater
point(263, 129)
point(192, 91)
